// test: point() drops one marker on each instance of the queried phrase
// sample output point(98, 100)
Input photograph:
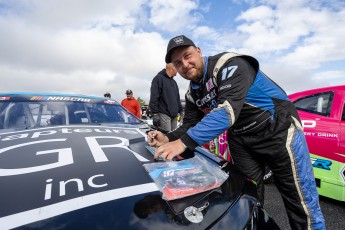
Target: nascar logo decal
point(51, 98)
point(68, 99)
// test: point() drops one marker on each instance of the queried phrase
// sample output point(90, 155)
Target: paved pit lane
point(333, 211)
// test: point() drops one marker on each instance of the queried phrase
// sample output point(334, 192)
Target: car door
point(320, 128)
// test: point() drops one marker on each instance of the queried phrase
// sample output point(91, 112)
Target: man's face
point(129, 95)
point(188, 62)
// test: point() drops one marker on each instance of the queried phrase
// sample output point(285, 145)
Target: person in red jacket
point(131, 104)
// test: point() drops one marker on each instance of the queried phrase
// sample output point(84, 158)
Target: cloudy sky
point(90, 47)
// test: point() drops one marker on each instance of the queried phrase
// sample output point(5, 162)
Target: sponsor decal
point(207, 98)
point(52, 132)
point(312, 124)
point(210, 108)
point(225, 87)
point(321, 163)
point(54, 170)
point(36, 98)
point(315, 134)
point(245, 128)
point(4, 98)
point(213, 104)
point(110, 102)
point(209, 84)
point(268, 175)
point(206, 110)
point(228, 72)
point(51, 98)
point(178, 40)
point(308, 123)
point(45, 212)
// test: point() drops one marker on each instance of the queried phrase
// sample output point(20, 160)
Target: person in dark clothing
point(107, 94)
point(165, 103)
point(228, 91)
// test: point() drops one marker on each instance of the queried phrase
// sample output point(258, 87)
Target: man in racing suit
point(228, 91)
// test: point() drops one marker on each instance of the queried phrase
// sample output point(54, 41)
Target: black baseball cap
point(176, 42)
point(128, 91)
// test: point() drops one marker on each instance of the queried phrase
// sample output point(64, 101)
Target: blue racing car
point(76, 162)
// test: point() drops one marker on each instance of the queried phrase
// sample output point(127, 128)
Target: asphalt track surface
point(333, 211)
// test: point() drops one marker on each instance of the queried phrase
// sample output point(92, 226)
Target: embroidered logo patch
point(178, 40)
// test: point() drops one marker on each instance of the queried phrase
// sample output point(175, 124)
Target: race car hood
point(82, 176)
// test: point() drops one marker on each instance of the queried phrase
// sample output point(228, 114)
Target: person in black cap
point(228, 91)
point(165, 103)
point(131, 104)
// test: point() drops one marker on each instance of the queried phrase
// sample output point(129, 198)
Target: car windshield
point(31, 114)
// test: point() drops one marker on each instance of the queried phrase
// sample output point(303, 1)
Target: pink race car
point(322, 112)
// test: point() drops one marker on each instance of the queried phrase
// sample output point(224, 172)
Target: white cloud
point(325, 42)
point(87, 47)
point(91, 47)
point(296, 29)
point(292, 79)
point(72, 14)
point(330, 75)
point(92, 56)
point(174, 15)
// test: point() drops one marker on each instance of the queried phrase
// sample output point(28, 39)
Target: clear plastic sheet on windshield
point(178, 179)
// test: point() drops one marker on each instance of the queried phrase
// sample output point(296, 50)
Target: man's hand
point(170, 150)
point(156, 120)
point(156, 138)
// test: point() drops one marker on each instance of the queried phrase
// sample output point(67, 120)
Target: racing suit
point(263, 128)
